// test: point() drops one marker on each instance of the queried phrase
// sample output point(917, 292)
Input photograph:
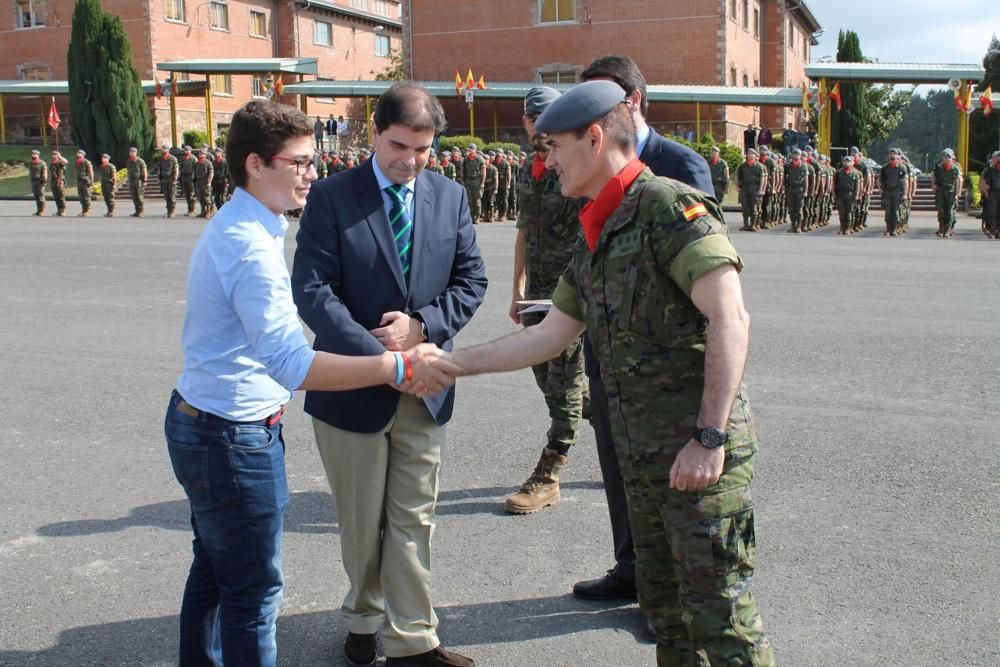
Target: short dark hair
point(618, 127)
point(261, 127)
point(623, 71)
point(407, 103)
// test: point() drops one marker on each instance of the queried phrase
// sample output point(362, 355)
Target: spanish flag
point(470, 81)
point(694, 211)
point(482, 82)
point(805, 96)
point(986, 100)
point(279, 87)
point(458, 83)
point(967, 104)
point(834, 95)
point(158, 90)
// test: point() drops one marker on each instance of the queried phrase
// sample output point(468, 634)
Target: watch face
point(712, 438)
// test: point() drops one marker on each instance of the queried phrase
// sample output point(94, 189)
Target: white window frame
point(26, 8)
point(222, 5)
point(316, 24)
point(257, 88)
point(250, 29)
point(360, 4)
point(225, 90)
point(386, 42)
point(558, 20)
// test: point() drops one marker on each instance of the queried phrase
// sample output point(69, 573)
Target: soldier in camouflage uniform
point(203, 173)
point(847, 187)
point(220, 180)
point(447, 168)
point(503, 185)
point(39, 176)
point(84, 179)
point(947, 190)
point(167, 170)
point(547, 229)
point(137, 175)
point(766, 201)
point(57, 181)
point(187, 163)
point(892, 183)
point(719, 169)
point(989, 185)
point(827, 201)
point(490, 184)
point(473, 176)
point(109, 183)
point(797, 184)
point(645, 282)
point(750, 181)
point(513, 194)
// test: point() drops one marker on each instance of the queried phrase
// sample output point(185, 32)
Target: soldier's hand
point(515, 309)
point(696, 467)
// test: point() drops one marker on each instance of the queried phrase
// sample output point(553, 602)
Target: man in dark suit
point(673, 160)
point(387, 258)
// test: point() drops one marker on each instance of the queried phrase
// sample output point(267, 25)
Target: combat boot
point(542, 488)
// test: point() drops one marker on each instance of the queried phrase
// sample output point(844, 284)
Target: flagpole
point(45, 121)
point(55, 130)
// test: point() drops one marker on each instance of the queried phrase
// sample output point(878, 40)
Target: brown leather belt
point(192, 411)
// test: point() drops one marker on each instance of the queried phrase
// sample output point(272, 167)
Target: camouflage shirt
point(847, 183)
point(551, 228)
point(720, 173)
point(947, 180)
point(38, 171)
point(796, 177)
point(167, 168)
point(892, 179)
point(751, 178)
point(633, 293)
point(136, 170)
point(203, 172)
point(473, 169)
point(57, 173)
point(109, 174)
point(187, 167)
point(85, 172)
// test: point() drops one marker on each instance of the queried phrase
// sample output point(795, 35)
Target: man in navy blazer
point(386, 258)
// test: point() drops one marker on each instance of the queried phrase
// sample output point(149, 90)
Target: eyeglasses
point(302, 164)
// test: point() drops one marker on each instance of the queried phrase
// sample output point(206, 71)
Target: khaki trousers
point(385, 488)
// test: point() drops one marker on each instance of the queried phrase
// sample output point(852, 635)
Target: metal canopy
point(895, 72)
point(517, 91)
point(56, 87)
point(243, 65)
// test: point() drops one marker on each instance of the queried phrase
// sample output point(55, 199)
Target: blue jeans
point(234, 476)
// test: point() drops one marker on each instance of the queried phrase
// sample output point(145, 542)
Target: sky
point(942, 31)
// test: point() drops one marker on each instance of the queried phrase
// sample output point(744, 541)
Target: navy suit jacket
point(347, 273)
point(673, 160)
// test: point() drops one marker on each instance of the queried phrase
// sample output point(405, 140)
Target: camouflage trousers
point(220, 194)
point(187, 190)
point(83, 191)
point(991, 213)
point(512, 202)
point(695, 554)
point(891, 202)
point(137, 191)
point(475, 193)
point(945, 203)
point(563, 385)
point(168, 188)
point(845, 209)
point(108, 192)
point(59, 195)
point(489, 198)
point(38, 191)
point(750, 206)
point(203, 194)
point(795, 208)
point(502, 198)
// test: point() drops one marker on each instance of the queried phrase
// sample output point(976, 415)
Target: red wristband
point(408, 368)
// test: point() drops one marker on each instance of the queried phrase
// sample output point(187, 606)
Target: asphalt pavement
point(874, 375)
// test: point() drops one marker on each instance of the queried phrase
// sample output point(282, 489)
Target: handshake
point(426, 370)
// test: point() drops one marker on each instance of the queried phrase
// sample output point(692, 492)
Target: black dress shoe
point(360, 649)
point(608, 587)
point(436, 656)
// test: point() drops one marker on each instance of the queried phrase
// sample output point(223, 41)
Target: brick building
point(352, 39)
point(698, 42)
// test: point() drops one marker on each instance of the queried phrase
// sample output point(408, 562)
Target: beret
point(187, 148)
point(854, 150)
point(751, 151)
point(35, 153)
point(133, 149)
point(949, 152)
point(82, 152)
point(538, 99)
point(579, 106)
point(715, 149)
point(105, 156)
point(471, 147)
point(796, 151)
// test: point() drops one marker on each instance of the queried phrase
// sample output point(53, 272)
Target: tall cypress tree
point(849, 127)
point(109, 110)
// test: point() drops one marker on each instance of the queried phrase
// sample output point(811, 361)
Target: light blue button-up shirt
point(641, 139)
point(244, 348)
point(384, 182)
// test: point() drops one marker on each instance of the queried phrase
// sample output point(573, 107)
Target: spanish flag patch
point(694, 211)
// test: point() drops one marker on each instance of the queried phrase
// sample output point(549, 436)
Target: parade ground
point(874, 374)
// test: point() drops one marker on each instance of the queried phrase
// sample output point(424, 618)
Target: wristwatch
point(423, 326)
point(711, 437)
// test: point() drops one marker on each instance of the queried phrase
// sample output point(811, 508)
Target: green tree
point(851, 125)
point(984, 131)
point(110, 112)
point(394, 71)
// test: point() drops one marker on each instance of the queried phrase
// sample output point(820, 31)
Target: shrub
point(195, 138)
point(975, 196)
point(461, 142)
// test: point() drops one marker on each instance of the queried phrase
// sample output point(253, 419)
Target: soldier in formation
point(447, 168)
point(187, 164)
point(109, 183)
point(203, 173)
point(220, 180)
point(947, 190)
point(433, 164)
point(796, 176)
point(57, 181)
point(989, 185)
point(137, 175)
point(847, 187)
point(860, 217)
point(167, 169)
point(893, 180)
point(38, 173)
point(474, 177)
point(84, 180)
point(490, 184)
point(547, 229)
point(766, 201)
point(503, 185)
point(719, 169)
point(751, 179)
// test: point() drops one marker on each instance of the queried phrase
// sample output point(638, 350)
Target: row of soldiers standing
point(53, 175)
point(989, 186)
point(491, 182)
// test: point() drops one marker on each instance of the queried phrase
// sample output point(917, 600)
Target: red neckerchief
point(35, 160)
point(594, 214)
point(538, 168)
point(795, 163)
point(714, 160)
point(104, 163)
point(892, 163)
point(847, 170)
point(166, 156)
point(947, 165)
point(79, 161)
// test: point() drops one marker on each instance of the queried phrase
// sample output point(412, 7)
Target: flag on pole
point(458, 83)
point(959, 100)
point(482, 82)
point(805, 96)
point(173, 86)
point(53, 121)
point(279, 87)
point(158, 90)
point(470, 81)
point(834, 95)
point(986, 100)
point(967, 102)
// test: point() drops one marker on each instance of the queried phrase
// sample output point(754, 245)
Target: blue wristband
point(400, 368)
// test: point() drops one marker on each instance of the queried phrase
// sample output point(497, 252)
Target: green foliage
point(96, 187)
point(851, 125)
point(195, 138)
point(110, 112)
point(395, 70)
point(461, 142)
point(733, 155)
point(972, 184)
point(984, 131)
point(501, 146)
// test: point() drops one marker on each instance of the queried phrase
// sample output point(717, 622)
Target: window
point(732, 9)
point(258, 24)
point(383, 7)
point(222, 84)
point(174, 10)
point(31, 13)
point(257, 87)
point(360, 4)
point(556, 11)
point(756, 82)
point(791, 35)
point(564, 76)
point(732, 76)
point(36, 73)
point(218, 15)
point(756, 22)
point(746, 14)
point(746, 81)
point(323, 33)
point(382, 45)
